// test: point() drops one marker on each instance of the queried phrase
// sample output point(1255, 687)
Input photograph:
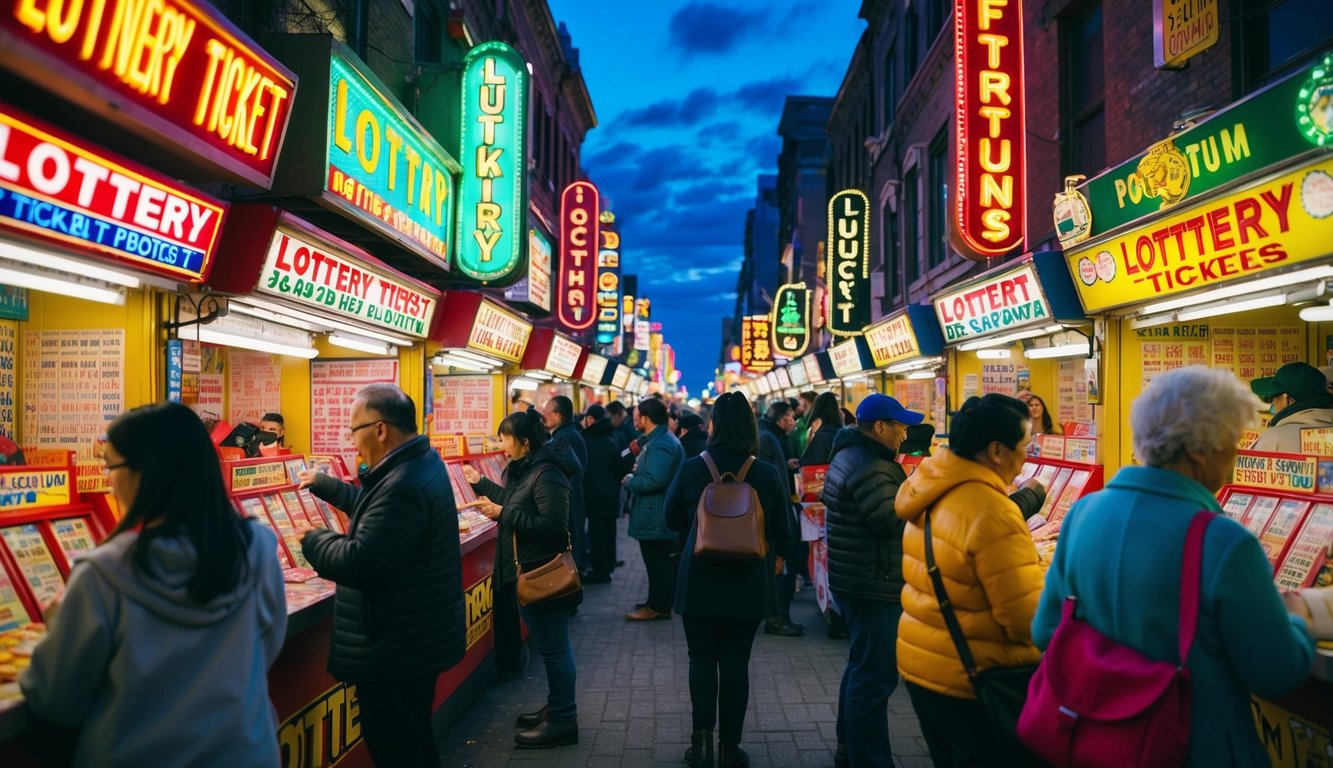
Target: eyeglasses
point(350, 432)
point(106, 468)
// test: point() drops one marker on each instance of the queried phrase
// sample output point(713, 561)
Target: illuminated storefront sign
point(1280, 223)
point(621, 377)
point(848, 272)
point(892, 340)
point(535, 287)
point(989, 198)
point(563, 357)
point(813, 372)
point(384, 168)
point(1182, 29)
point(178, 67)
point(56, 189)
point(1006, 302)
point(791, 320)
point(846, 357)
point(594, 370)
point(1233, 143)
point(491, 198)
point(608, 287)
point(498, 332)
point(304, 269)
point(579, 238)
point(642, 311)
point(756, 352)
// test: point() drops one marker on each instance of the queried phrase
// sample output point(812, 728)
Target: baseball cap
point(1299, 381)
point(1327, 370)
point(877, 407)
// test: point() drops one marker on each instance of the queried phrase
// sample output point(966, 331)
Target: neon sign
point(579, 237)
point(756, 352)
point(1002, 303)
point(61, 192)
point(990, 206)
point(179, 68)
point(385, 169)
point(791, 319)
point(848, 272)
point(608, 288)
point(493, 135)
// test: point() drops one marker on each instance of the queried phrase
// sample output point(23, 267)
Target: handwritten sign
point(73, 388)
point(34, 489)
point(892, 340)
point(1007, 302)
point(563, 357)
point(1293, 474)
point(463, 405)
point(254, 477)
point(333, 387)
point(499, 332)
point(845, 357)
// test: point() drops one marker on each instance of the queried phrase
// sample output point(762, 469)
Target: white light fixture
point(853, 378)
point(921, 375)
point(447, 358)
point(468, 354)
point(52, 282)
point(238, 308)
point(210, 336)
point(994, 354)
point(1320, 314)
point(1151, 320)
point(358, 343)
point(1228, 307)
point(1009, 338)
point(914, 365)
point(527, 385)
point(1061, 350)
point(538, 375)
point(1241, 289)
point(282, 313)
point(47, 259)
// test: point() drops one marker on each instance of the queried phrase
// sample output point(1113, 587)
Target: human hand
point(471, 474)
point(778, 564)
point(306, 478)
point(794, 463)
point(489, 508)
point(52, 606)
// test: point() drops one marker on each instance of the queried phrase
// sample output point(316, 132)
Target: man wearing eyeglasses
point(398, 615)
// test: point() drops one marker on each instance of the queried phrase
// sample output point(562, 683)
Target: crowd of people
point(935, 574)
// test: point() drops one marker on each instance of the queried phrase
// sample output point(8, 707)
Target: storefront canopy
point(909, 338)
point(1027, 298)
point(551, 355)
point(479, 333)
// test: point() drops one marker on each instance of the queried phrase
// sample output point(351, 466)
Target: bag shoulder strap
point(745, 469)
point(946, 607)
point(1191, 578)
point(712, 467)
point(513, 533)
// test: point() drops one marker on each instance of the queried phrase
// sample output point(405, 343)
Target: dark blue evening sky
point(688, 96)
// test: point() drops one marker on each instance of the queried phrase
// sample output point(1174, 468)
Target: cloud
point(767, 94)
point(708, 28)
point(691, 110)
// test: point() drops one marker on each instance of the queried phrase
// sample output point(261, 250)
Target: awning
point(850, 357)
point(551, 355)
point(1028, 298)
point(818, 369)
point(796, 372)
point(620, 377)
point(593, 370)
point(478, 333)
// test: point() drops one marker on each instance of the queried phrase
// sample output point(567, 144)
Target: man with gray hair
point(398, 613)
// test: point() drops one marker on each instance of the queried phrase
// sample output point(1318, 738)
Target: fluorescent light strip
point(1321, 314)
point(52, 283)
point(1241, 289)
point(1010, 338)
point(1152, 320)
point(358, 344)
point(1230, 307)
point(1062, 350)
point(468, 354)
point(994, 354)
point(538, 375)
point(285, 314)
point(528, 385)
point(210, 336)
point(913, 365)
point(921, 375)
point(273, 317)
point(41, 257)
point(466, 365)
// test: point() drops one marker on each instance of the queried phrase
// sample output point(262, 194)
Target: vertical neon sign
point(580, 234)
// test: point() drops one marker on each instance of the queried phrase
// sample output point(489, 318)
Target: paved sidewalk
point(634, 700)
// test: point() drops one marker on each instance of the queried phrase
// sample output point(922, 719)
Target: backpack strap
point(708, 460)
point(745, 468)
point(946, 607)
point(1191, 578)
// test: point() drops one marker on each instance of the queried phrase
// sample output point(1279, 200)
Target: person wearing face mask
point(1298, 398)
point(273, 424)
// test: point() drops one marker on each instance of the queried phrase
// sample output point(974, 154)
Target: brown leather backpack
point(729, 517)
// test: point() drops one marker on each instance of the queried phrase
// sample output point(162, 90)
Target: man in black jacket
point(865, 566)
point(398, 614)
point(601, 494)
point(774, 447)
point(558, 414)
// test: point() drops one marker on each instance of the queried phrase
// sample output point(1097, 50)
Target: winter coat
point(865, 536)
point(399, 607)
point(1285, 437)
point(149, 676)
point(720, 589)
point(820, 448)
point(989, 564)
point(1119, 552)
point(654, 470)
point(602, 474)
point(694, 442)
point(774, 449)
point(570, 434)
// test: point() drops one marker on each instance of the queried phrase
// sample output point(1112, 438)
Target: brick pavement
point(634, 701)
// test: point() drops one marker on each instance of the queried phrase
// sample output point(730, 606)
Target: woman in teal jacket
point(1119, 553)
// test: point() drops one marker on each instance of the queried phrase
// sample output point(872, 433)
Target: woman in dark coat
point(722, 603)
point(532, 508)
point(825, 421)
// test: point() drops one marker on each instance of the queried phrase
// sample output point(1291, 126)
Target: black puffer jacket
point(820, 449)
point(601, 478)
point(865, 536)
point(570, 434)
point(399, 606)
point(535, 497)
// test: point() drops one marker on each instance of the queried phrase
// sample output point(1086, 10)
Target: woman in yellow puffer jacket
point(989, 566)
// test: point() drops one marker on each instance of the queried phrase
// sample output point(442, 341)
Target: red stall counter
point(1067, 468)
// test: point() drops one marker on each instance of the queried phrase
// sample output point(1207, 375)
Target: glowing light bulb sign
point(791, 320)
point(848, 272)
point(990, 206)
point(492, 203)
point(608, 288)
point(579, 237)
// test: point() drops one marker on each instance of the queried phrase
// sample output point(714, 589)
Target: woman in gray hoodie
point(159, 651)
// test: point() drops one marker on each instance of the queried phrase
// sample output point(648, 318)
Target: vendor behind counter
point(1298, 398)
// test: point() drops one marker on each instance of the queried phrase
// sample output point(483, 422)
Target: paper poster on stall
point(9, 334)
point(1001, 378)
point(333, 386)
point(73, 387)
point(254, 381)
point(210, 396)
point(463, 405)
point(34, 560)
point(914, 395)
point(12, 613)
point(1165, 348)
point(971, 385)
point(1254, 352)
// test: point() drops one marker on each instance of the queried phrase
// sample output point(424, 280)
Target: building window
point(1279, 37)
point(910, 211)
point(889, 231)
point(937, 208)
point(430, 32)
point(912, 44)
point(1085, 91)
point(890, 87)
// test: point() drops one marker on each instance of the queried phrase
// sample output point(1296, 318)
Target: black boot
point(529, 719)
point(700, 753)
point(551, 733)
point(731, 756)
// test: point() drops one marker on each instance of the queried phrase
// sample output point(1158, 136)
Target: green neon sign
point(492, 200)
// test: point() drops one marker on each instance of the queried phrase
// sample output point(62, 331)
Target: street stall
point(1214, 247)
point(855, 371)
point(551, 360)
point(594, 380)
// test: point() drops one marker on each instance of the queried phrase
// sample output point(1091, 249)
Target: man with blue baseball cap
point(865, 561)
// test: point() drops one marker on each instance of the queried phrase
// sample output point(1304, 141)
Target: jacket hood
point(163, 589)
point(936, 476)
point(1304, 417)
point(559, 454)
point(849, 436)
point(600, 427)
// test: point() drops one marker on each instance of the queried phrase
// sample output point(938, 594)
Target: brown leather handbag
point(730, 518)
point(556, 578)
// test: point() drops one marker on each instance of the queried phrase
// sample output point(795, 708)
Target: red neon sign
point(176, 66)
point(580, 234)
point(990, 206)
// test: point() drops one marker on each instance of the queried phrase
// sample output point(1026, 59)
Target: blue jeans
point(549, 626)
point(869, 680)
